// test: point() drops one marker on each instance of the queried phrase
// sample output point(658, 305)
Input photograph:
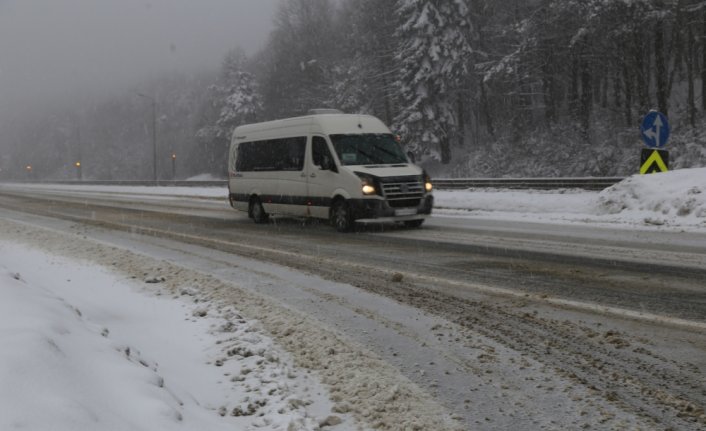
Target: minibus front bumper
point(381, 211)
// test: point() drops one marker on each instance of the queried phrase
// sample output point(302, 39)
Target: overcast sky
point(55, 48)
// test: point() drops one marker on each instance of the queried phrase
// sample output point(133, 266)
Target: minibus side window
point(285, 154)
point(293, 151)
point(244, 159)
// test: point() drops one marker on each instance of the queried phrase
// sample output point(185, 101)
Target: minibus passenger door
point(290, 175)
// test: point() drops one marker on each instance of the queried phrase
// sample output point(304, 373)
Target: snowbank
point(204, 177)
point(489, 200)
point(83, 350)
point(675, 198)
point(61, 372)
point(223, 354)
point(672, 200)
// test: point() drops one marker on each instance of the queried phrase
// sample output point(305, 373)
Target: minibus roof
point(329, 124)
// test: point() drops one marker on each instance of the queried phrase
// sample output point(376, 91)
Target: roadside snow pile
point(228, 353)
point(675, 197)
point(565, 201)
point(204, 177)
point(60, 372)
point(84, 350)
point(674, 200)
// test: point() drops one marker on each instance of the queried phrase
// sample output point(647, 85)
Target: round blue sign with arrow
point(655, 129)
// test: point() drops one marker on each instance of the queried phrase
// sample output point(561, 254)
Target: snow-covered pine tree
point(296, 67)
point(435, 54)
point(241, 101)
point(366, 70)
point(235, 100)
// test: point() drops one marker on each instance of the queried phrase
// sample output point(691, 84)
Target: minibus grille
point(403, 191)
point(405, 203)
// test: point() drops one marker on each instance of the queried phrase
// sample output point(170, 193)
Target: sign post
point(655, 132)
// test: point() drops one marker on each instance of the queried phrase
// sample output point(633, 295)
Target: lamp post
point(79, 172)
point(173, 166)
point(154, 133)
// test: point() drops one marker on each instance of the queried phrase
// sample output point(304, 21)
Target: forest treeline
point(475, 88)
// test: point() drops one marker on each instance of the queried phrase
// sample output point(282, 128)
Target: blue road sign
point(655, 129)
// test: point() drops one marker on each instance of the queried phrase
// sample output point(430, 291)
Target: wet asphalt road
point(454, 269)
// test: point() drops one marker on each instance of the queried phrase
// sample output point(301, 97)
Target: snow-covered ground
point(672, 200)
point(85, 347)
point(99, 337)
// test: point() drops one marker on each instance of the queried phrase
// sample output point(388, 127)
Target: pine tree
point(296, 68)
point(365, 74)
point(240, 100)
point(435, 55)
point(235, 100)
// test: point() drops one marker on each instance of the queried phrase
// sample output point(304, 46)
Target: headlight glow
point(368, 184)
point(427, 182)
point(368, 189)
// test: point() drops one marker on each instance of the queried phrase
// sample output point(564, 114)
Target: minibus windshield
point(368, 149)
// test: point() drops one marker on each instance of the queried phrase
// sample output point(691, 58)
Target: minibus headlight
point(428, 186)
point(367, 184)
point(368, 189)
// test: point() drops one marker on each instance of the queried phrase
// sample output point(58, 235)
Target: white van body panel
point(308, 190)
point(386, 171)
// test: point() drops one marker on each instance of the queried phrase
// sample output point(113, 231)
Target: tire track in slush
point(631, 379)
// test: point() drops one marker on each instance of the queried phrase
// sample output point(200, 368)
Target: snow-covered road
point(673, 201)
point(373, 353)
point(113, 339)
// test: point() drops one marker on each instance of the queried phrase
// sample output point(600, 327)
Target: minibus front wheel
point(342, 216)
point(256, 211)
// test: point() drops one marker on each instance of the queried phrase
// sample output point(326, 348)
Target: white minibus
point(346, 168)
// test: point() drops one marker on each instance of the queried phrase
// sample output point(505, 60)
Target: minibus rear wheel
point(257, 212)
point(341, 216)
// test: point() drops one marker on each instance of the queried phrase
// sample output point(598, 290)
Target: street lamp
point(78, 170)
point(173, 166)
point(28, 168)
point(154, 133)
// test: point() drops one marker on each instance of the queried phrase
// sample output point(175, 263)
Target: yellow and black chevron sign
point(652, 161)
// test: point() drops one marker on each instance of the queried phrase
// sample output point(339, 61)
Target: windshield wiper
point(370, 158)
point(386, 151)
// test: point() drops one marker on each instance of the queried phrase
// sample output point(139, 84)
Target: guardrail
point(587, 183)
point(163, 183)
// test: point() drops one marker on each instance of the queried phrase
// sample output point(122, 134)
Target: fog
point(56, 50)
